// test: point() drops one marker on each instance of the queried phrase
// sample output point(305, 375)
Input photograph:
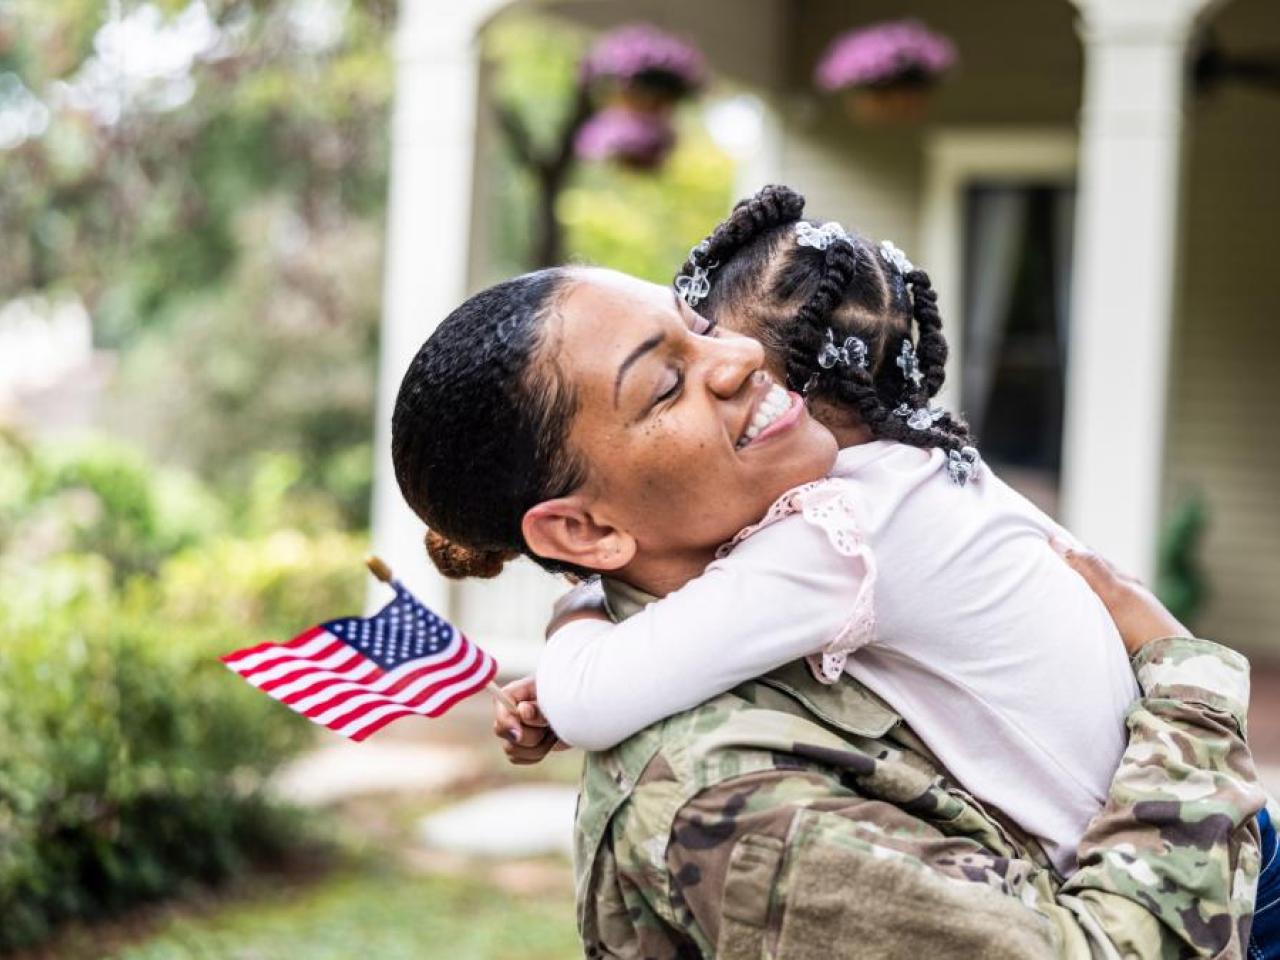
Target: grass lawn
point(378, 915)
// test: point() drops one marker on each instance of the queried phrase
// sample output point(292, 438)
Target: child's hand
point(583, 602)
point(525, 734)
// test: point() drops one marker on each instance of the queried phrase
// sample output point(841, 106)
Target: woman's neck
point(660, 576)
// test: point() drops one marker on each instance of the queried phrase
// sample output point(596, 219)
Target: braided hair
point(480, 427)
point(798, 299)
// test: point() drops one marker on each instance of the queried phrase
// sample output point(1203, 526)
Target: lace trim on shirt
point(827, 505)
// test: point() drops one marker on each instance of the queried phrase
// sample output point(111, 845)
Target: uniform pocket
point(749, 890)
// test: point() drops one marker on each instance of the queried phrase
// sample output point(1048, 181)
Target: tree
point(620, 105)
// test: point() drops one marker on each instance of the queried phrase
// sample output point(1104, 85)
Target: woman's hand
point(1138, 615)
point(525, 734)
point(583, 602)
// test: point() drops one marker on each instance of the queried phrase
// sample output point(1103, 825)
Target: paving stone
point(341, 770)
point(522, 821)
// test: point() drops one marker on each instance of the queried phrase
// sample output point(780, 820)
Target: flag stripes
point(355, 676)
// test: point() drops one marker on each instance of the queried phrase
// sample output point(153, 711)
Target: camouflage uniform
point(787, 819)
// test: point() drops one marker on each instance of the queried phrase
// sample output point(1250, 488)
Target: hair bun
point(458, 562)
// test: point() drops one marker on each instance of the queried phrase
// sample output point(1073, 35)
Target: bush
point(268, 588)
point(99, 498)
point(131, 764)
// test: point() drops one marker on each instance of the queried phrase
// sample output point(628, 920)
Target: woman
point(524, 426)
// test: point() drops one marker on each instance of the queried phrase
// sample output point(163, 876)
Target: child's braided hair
point(796, 299)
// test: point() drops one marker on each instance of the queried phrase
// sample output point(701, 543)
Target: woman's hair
point(797, 298)
point(479, 432)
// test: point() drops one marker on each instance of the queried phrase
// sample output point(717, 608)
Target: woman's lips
point(785, 421)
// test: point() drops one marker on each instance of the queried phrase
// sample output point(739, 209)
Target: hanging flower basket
point(636, 139)
point(886, 73)
point(644, 69)
point(898, 104)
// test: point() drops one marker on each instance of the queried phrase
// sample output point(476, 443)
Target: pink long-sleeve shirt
point(947, 601)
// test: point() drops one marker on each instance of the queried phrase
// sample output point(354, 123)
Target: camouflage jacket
point(787, 819)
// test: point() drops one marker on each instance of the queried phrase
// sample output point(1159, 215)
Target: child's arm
point(782, 593)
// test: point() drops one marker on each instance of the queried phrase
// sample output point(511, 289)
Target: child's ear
point(564, 529)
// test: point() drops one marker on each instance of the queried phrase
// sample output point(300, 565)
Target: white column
point(1125, 260)
point(433, 136)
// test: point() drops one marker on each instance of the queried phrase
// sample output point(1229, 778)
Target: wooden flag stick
point(380, 570)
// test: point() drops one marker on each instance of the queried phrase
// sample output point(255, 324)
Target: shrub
point(102, 498)
point(130, 766)
point(132, 762)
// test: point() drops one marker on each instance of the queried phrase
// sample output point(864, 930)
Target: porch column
point(1125, 277)
point(433, 134)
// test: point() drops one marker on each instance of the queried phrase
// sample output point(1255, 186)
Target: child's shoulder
point(825, 505)
point(865, 460)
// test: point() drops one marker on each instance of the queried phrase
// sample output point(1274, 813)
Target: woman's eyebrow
point(632, 357)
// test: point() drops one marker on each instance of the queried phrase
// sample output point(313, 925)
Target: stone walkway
point(340, 770)
point(523, 821)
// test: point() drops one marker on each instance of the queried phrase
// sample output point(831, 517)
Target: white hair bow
point(807, 235)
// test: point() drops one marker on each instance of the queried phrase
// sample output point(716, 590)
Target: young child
point(912, 567)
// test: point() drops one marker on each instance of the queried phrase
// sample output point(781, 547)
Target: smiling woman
point(572, 414)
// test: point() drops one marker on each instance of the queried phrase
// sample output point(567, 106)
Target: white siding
point(1224, 421)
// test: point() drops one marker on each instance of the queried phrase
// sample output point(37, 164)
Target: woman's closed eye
point(672, 391)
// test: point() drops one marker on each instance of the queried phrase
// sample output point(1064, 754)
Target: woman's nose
point(734, 360)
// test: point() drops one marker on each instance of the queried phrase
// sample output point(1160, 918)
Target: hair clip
point(919, 419)
point(889, 250)
point(701, 250)
point(963, 465)
point(908, 362)
point(807, 235)
point(852, 351)
point(693, 289)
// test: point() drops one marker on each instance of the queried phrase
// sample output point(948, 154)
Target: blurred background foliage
point(642, 222)
point(216, 205)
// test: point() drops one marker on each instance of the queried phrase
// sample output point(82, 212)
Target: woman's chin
point(803, 453)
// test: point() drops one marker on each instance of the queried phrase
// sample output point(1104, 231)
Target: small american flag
point(356, 675)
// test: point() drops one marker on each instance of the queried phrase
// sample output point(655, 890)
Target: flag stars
point(400, 632)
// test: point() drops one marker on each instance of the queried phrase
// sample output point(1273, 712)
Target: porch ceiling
point(745, 40)
point(1020, 62)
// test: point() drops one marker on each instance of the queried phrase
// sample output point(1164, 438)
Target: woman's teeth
point(775, 404)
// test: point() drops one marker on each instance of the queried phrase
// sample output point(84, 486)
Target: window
point(1016, 280)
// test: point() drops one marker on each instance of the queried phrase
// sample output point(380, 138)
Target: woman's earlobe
point(564, 529)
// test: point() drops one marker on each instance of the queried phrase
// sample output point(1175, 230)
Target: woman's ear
point(564, 529)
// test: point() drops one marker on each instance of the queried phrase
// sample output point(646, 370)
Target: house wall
point(1224, 421)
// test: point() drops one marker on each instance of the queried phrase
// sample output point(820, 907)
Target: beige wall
point(1224, 419)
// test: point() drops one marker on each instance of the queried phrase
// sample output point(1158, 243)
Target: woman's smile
point(776, 411)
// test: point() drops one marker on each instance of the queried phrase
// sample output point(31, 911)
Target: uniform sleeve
point(1176, 842)
point(781, 594)
point(791, 862)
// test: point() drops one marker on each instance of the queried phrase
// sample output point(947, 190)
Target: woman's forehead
point(617, 296)
point(602, 319)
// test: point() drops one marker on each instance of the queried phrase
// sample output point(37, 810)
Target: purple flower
point(618, 133)
point(644, 55)
point(885, 53)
